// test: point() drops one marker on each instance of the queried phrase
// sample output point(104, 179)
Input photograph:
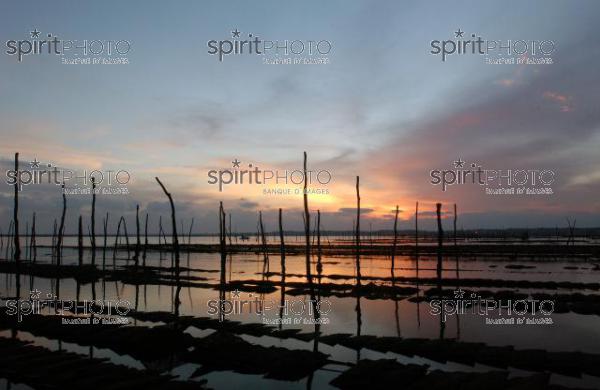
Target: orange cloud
point(565, 102)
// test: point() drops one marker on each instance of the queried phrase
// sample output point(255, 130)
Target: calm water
point(380, 317)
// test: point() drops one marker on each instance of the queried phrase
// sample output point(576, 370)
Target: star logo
point(34, 294)
point(236, 293)
point(236, 163)
point(459, 33)
point(35, 33)
point(35, 163)
point(235, 33)
point(458, 294)
point(459, 163)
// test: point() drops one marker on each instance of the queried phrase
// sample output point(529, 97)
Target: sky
point(383, 107)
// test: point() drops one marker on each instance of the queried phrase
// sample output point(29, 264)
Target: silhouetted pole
point(93, 222)
point(358, 276)
point(229, 229)
point(319, 250)
point(175, 242)
point(454, 223)
point(33, 241)
point(61, 229)
point(307, 228)
point(136, 257)
point(395, 243)
point(417, 238)
point(281, 245)
point(263, 243)
point(223, 245)
point(282, 253)
point(80, 241)
point(455, 242)
point(438, 212)
point(105, 226)
point(145, 241)
point(54, 230)
point(17, 253)
point(438, 207)
point(457, 270)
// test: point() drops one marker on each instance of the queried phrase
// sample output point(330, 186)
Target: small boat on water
point(244, 237)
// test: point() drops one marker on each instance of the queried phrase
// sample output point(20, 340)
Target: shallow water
point(379, 317)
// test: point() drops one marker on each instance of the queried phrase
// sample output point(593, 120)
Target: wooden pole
point(17, 253)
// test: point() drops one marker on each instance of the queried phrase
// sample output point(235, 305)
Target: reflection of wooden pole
point(16, 212)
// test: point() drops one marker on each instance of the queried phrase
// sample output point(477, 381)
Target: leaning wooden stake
point(61, 229)
point(175, 238)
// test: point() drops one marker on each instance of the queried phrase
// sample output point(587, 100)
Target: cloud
point(246, 204)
